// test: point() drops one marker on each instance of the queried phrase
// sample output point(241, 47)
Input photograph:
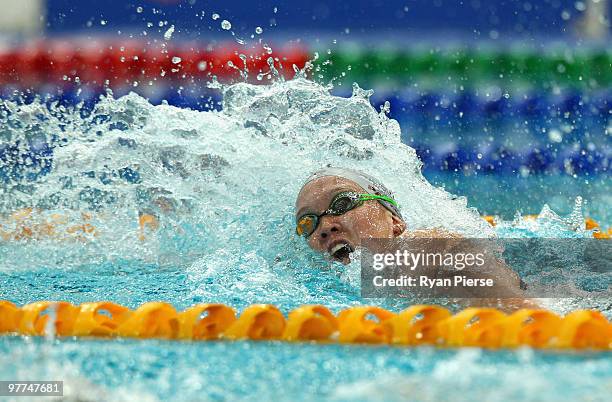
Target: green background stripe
point(567, 68)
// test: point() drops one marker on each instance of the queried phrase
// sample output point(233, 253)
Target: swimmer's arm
point(508, 283)
point(507, 305)
point(432, 234)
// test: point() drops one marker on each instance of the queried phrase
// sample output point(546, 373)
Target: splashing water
point(226, 25)
point(217, 170)
point(222, 185)
point(169, 32)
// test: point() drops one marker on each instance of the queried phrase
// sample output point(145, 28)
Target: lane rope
point(31, 224)
point(416, 325)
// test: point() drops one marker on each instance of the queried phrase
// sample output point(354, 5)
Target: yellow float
point(535, 328)
point(416, 325)
point(205, 321)
point(364, 324)
point(151, 320)
point(310, 323)
point(33, 224)
point(259, 322)
point(99, 319)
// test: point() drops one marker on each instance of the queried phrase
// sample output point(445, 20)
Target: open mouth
point(341, 252)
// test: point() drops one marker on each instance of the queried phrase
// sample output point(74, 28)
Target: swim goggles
point(340, 204)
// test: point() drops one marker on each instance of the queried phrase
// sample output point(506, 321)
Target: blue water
point(515, 193)
point(223, 185)
point(159, 370)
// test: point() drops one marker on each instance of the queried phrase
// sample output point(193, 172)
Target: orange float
point(584, 329)
point(146, 221)
point(473, 327)
point(364, 324)
point(99, 319)
point(205, 321)
point(590, 224)
point(417, 325)
point(10, 315)
point(36, 316)
point(151, 320)
point(258, 322)
point(535, 328)
point(310, 323)
point(490, 219)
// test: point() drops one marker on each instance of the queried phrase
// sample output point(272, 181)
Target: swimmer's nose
point(332, 229)
point(322, 236)
point(327, 226)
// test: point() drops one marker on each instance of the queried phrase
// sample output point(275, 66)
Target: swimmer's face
point(338, 236)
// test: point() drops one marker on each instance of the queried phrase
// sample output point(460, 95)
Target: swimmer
point(337, 208)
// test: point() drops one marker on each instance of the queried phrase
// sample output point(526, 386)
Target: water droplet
point(215, 16)
point(258, 30)
point(202, 65)
point(555, 135)
point(225, 24)
point(275, 10)
point(169, 32)
point(102, 22)
point(139, 10)
point(176, 60)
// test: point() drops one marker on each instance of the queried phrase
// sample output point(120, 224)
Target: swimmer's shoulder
point(435, 233)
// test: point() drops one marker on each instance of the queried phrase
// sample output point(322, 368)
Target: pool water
point(256, 371)
point(515, 193)
point(222, 185)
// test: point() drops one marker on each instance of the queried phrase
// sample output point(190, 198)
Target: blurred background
point(506, 102)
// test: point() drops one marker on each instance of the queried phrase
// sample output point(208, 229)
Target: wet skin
point(372, 220)
point(369, 220)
